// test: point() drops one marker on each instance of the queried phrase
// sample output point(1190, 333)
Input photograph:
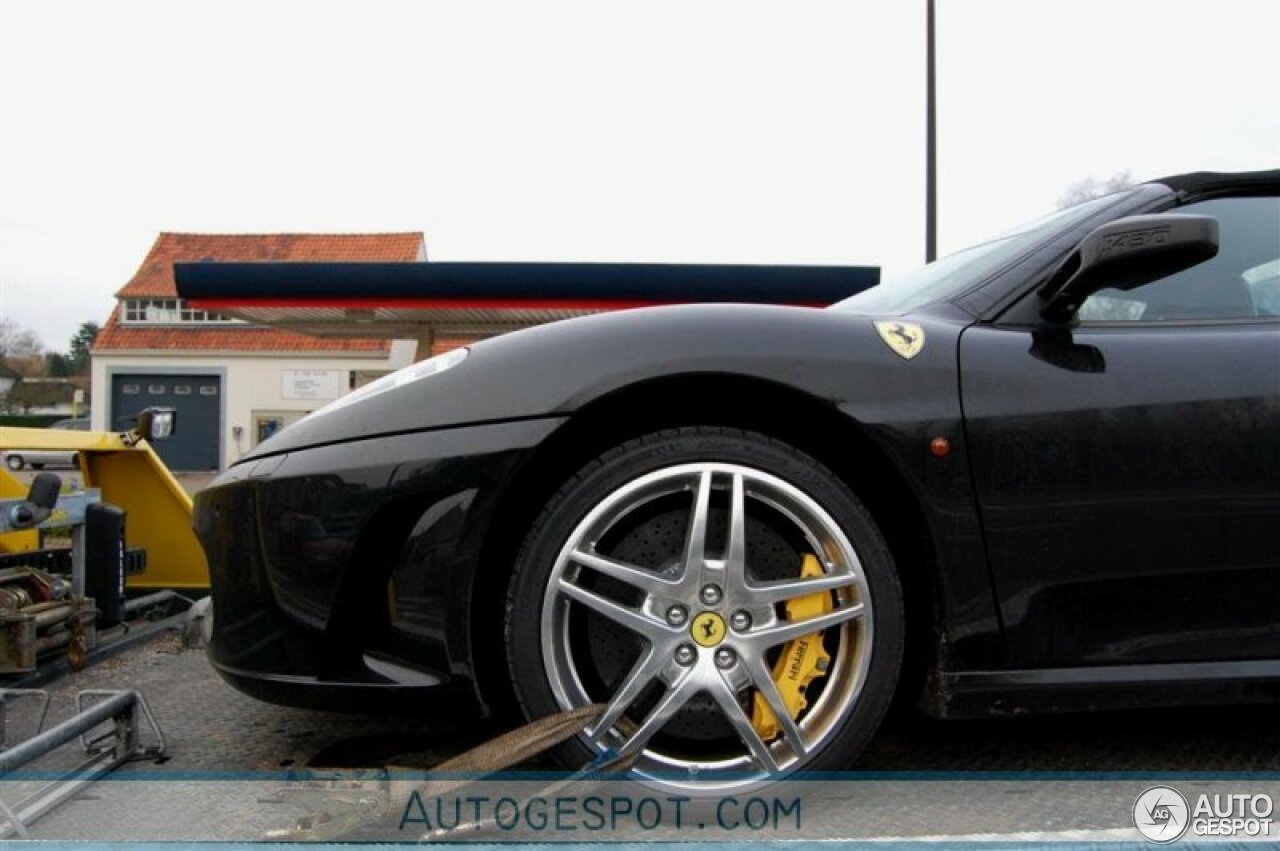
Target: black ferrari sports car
point(1040, 474)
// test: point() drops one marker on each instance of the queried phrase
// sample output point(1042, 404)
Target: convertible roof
point(383, 299)
point(1198, 182)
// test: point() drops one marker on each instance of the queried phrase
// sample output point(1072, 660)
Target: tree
point(58, 365)
point(1091, 187)
point(17, 342)
point(26, 395)
point(22, 355)
point(28, 366)
point(81, 342)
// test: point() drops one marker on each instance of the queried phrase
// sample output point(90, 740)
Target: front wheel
point(724, 595)
point(13, 462)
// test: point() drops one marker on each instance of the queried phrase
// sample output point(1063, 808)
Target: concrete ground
point(907, 784)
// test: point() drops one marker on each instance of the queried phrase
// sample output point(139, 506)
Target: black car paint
point(299, 542)
point(1158, 544)
point(414, 478)
point(800, 348)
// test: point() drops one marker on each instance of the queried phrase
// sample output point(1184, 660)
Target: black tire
point(14, 462)
point(624, 463)
point(37, 466)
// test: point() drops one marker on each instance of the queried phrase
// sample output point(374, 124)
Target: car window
point(1242, 281)
point(954, 274)
point(1264, 286)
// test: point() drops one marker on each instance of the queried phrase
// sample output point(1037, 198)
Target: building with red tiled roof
point(233, 383)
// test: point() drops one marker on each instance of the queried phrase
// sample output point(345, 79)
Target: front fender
point(553, 370)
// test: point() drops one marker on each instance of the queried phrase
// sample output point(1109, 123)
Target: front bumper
point(342, 575)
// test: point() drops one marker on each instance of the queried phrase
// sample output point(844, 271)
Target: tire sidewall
point(665, 449)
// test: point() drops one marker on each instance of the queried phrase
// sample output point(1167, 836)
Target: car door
point(1128, 468)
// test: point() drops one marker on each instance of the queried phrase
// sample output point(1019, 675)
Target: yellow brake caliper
point(803, 659)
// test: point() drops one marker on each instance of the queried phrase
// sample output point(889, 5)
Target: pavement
point(228, 754)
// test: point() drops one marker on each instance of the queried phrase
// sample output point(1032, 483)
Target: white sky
point(647, 131)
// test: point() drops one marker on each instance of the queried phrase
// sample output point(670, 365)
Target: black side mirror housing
point(1127, 253)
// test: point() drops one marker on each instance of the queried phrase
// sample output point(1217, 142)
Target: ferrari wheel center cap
point(707, 629)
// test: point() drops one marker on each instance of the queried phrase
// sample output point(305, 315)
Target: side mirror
point(1128, 253)
point(156, 424)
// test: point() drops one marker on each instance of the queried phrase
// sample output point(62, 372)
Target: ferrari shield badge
point(905, 338)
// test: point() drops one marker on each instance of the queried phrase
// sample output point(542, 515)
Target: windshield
point(958, 272)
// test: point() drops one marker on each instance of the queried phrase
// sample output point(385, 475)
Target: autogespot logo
point(1161, 814)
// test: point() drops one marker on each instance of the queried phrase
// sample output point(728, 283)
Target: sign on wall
point(310, 383)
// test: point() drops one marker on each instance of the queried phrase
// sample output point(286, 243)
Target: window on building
point(168, 311)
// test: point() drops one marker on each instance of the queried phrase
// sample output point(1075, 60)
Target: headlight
point(399, 378)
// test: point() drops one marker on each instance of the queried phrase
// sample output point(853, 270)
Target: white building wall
point(250, 382)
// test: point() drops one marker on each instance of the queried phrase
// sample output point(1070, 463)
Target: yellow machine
point(131, 476)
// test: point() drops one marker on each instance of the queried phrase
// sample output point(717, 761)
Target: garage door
point(198, 399)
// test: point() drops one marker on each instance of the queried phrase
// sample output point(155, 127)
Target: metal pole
point(930, 144)
point(146, 602)
point(78, 540)
point(82, 722)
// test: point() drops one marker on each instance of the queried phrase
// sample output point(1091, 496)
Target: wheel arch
point(779, 411)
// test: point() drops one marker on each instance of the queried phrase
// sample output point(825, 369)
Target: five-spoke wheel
point(674, 597)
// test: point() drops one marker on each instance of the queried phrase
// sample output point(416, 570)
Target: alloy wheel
point(706, 629)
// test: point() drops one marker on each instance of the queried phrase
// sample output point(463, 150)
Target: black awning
point(567, 285)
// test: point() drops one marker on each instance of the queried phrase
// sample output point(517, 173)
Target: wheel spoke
point(787, 630)
point(737, 718)
point(788, 589)
point(735, 559)
point(642, 673)
point(768, 689)
point(636, 577)
point(630, 618)
point(695, 548)
point(676, 696)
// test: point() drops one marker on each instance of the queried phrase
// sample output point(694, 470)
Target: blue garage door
point(198, 400)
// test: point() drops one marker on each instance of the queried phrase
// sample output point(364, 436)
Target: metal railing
point(125, 710)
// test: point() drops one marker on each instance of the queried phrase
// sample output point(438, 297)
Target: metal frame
point(6, 694)
point(68, 513)
point(126, 710)
point(132, 476)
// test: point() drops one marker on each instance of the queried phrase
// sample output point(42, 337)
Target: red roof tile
point(117, 336)
point(155, 276)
